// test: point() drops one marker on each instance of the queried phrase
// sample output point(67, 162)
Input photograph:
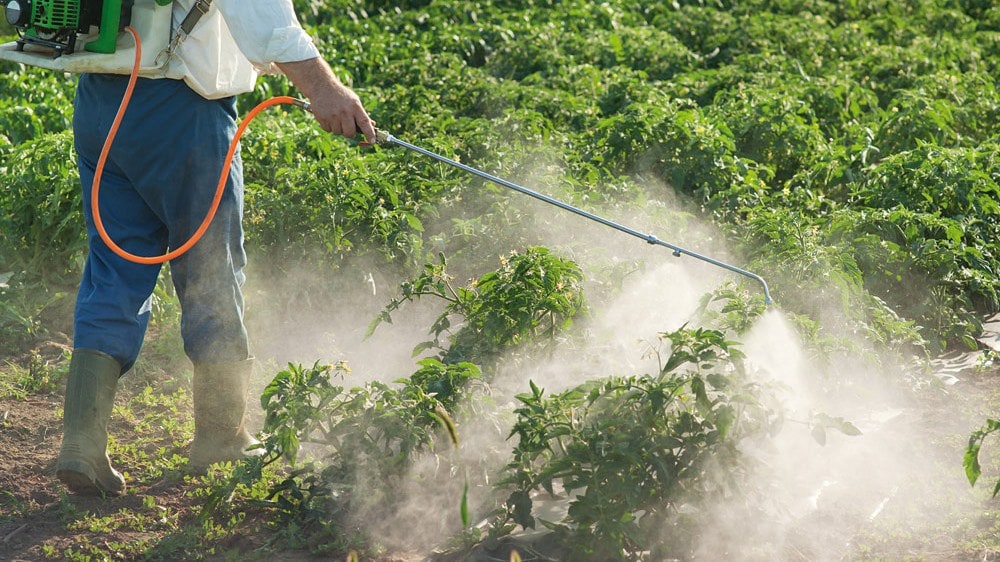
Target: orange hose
point(220, 189)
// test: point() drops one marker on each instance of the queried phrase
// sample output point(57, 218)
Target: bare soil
point(40, 521)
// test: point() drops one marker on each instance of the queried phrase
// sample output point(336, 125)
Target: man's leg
point(209, 277)
point(84, 465)
point(112, 307)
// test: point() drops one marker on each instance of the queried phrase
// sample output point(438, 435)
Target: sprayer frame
point(384, 138)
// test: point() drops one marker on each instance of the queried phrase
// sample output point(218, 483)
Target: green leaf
point(971, 462)
point(819, 434)
point(520, 504)
point(463, 507)
point(848, 428)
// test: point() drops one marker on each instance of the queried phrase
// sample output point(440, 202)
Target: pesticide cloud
point(299, 315)
point(818, 500)
point(647, 290)
point(812, 500)
point(654, 292)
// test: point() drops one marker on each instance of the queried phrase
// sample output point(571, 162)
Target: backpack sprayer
point(49, 29)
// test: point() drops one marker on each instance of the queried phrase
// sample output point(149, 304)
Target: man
point(157, 185)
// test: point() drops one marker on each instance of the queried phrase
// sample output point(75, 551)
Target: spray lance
point(386, 139)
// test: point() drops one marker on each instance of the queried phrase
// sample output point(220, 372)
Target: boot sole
point(81, 484)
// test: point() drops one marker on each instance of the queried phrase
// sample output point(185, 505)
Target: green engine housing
point(57, 23)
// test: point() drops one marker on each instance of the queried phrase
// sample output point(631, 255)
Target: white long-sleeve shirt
point(234, 41)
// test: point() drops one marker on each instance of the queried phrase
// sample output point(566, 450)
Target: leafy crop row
point(744, 107)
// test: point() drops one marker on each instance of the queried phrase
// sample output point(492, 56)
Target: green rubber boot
point(83, 465)
point(220, 400)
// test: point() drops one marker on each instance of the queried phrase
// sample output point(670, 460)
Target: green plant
point(532, 296)
point(629, 451)
point(307, 200)
point(970, 461)
point(39, 102)
point(729, 310)
point(42, 223)
point(13, 506)
point(38, 376)
point(357, 445)
point(356, 437)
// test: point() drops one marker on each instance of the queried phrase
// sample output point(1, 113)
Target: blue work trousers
point(157, 186)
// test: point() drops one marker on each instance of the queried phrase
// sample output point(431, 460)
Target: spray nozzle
point(382, 138)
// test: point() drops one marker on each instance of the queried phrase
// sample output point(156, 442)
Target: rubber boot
point(220, 399)
point(83, 465)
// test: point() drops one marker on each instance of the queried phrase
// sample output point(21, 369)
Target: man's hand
point(336, 107)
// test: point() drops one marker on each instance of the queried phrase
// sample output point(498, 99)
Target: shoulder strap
point(199, 9)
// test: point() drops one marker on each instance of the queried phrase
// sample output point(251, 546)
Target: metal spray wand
point(384, 138)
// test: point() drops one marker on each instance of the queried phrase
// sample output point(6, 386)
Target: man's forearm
point(309, 76)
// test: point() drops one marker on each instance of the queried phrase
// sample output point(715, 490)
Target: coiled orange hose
point(220, 188)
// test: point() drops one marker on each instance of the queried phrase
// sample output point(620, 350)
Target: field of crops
point(847, 152)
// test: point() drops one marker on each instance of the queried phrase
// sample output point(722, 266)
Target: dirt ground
point(37, 517)
point(40, 521)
